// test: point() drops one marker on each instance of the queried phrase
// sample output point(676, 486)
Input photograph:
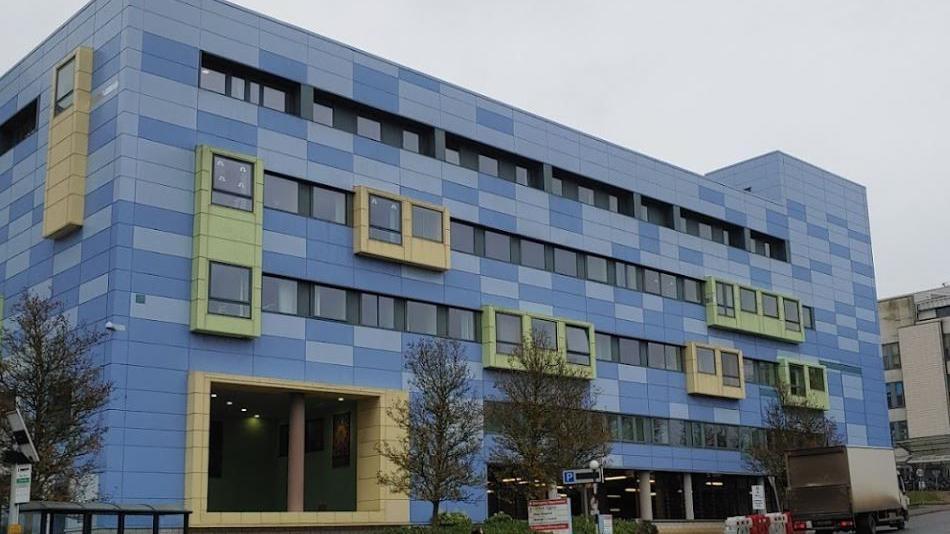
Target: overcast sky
point(861, 88)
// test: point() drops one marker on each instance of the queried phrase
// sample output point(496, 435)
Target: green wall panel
point(752, 323)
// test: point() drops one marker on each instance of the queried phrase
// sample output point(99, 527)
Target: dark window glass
point(281, 193)
point(229, 291)
point(18, 127)
point(585, 195)
point(673, 358)
point(796, 379)
point(497, 246)
point(213, 80)
point(725, 300)
point(816, 378)
point(369, 310)
point(65, 85)
point(521, 175)
point(329, 302)
point(747, 301)
point(385, 219)
point(730, 369)
point(233, 183)
point(892, 355)
point(557, 187)
point(452, 156)
point(578, 345)
point(656, 355)
point(387, 312)
point(545, 331)
point(330, 205)
point(427, 223)
point(651, 281)
point(323, 114)
point(487, 165)
point(368, 128)
point(410, 141)
point(709, 435)
point(463, 238)
point(767, 373)
point(748, 368)
point(808, 317)
point(679, 437)
point(279, 295)
point(661, 431)
point(792, 319)
point(706, 360)
point(532, 254)
point(668, 286)
point(597, 269)
point(692, 291)
point(421, 318)
point(565, 262)
point(274, 99)
point(462, 324)
point(630, 351)
point(898, 431)
point(507, 333)
point(604, 346)
point(895, 394)
point(769, 305)
point(634, 429)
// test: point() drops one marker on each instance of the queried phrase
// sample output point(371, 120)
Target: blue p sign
point(569, 477)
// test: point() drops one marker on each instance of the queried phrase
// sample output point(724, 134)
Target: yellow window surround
point(701, 382)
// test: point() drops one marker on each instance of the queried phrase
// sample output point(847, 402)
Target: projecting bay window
point(792, 319)
point(233, 183)
point(229, 290)
point(385, 219)
point(427, 224)
point(796, 380)
point(507, 333)
point(545, 332)
point(706, 360)
point(725, 300)
point(816, 378)
point(730, 369)
point(770, 305)
point(578, 345)
point(747, 300)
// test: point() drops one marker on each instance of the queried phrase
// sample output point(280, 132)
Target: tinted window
point(213, 80)
point(747, 300)
point(487, 165)
point(368, 128)
point(507, 333)
point(452, 156)
point(706, 360)
point(275, 99)
point(546, 332)
point(730, 369)
point(816, 378)
point(673, 358)
point(369, 310)
point(769, 305)
point(238, 88)
point(427, 223)
point(521, 175)
point(279, 295)
point(65, 83)
point(792, 319)
point(597, 269)
point(229, 291)
point(329, 205)
point(678, 434)
point(604, 346)
point(280, 193)
point(462, 324)
point(661, 431)
point(565, 262)
point(656, 356)
point(808, 317)
point(692, 291)
point(578, 345)
point(651, 281)
point(630, 351)
point(668, 285)
point(725, 300)
point(463, 238)
point(410, 141)
point(532, 254)
point(497, 246)
point(233, 183)
point(585, 195)
point(557, 187)
point(329, 303)
point(385, 219)
point(421, 318)
point(796, 379)
point(322, 114)
point(633, 281)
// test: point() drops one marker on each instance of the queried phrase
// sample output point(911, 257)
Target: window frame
point(417, 231)
point(382, 230)
point(731, 380)
point(744, 292)
point(249, 271)
point(765, 309)
point(725, 299)
point(704, 369)
point(514, 345)
point(227, 194)
point(68, 96)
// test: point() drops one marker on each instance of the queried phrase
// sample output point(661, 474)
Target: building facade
point(268, 218)
point(916, 349)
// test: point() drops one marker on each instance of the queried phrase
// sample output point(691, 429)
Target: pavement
point(927, 520)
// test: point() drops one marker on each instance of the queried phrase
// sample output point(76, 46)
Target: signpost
point(23, 475)
point(22, 456)
point(758, 497)
point(550, 515)
point(580, 476)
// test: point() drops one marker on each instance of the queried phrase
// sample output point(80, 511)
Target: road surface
point(932, 523)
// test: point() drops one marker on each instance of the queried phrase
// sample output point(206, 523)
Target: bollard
point(737, 525)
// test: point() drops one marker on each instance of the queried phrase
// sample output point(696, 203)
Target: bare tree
point(47, 366)
point(544, 420)
point(442, 425)
point(790, 423)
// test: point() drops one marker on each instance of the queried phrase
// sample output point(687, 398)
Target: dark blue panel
point(817, 231)
point(375, 97)
point(820, 267)
point(169, 69)
point(420, 80)
point(691, 256)
point(376, 150)
point(710, 195)
point(801, 273)
point(495, 121)
point(834, 219)
point(283, 66)
point(284, 123)
point(376, 79)
point(167, 133)
point(840, 250)
point(101, 136)
point(168, 49)
point(761, 277)
point(219, 126)
point(330, 156)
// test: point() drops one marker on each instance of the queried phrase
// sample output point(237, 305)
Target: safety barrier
point(774, 523)
point(738, 525)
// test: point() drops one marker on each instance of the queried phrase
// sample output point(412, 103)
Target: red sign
point(550, 515)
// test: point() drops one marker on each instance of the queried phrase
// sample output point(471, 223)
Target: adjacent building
point(268, 218)
point(916, 350)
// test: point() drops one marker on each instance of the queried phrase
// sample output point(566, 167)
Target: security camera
point(115, 327)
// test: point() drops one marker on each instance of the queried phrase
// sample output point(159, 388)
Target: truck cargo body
point(844, 489)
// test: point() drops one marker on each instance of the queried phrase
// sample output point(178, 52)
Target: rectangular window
point(385, 219)
point(410, 141)
point(748, 367)
point(816, 378)
point(585, 195)
point(792, 319)
point(281, 193)
point(604, 347)
point(679, 437)
point(692, 291)
point(368, 128)
point(612, 423)
point(895, 395)
point(668, 286)
point(18, 127)
point(279, 295)
point(892, 355)
point(421, 318)
point(274, 99)
point(330, 205)
point(507, 333)
point(377, 311)
point(706, 360)
point(656, 356)
point(796, 379)
point(462, 324)
point(238, 88)
point(565, 262)
point(578, 345)
point(597, 269)
point(770, 305)
point(65, 85)
point(898, 431)
point(323, 113)
point(532, 254)
point(213, 80)
point(730, 368)
point(630, 351)
point(725, 300)
point(808, 317)
point(452, 156)
point(633, 279)
point(229, 290)
point(521, 175)
point(545, 332)
point(661, 432)
point(487, 165)
point(651, 281)
point(233, 183)
point(497, 246)
point(329, 303)
point(673, 358)
point(463, 238)
point(634, 429)
point(427, 223)
point(767, 373)
point(747, 301)
point(557, 187)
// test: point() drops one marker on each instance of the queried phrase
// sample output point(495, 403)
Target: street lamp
point(596, 467)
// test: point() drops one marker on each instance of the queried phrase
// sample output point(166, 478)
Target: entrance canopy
point(47, 517)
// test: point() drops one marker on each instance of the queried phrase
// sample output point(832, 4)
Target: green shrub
point(502, 523)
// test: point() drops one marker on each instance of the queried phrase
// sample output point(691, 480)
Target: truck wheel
point(867, 524)
point(902, 524)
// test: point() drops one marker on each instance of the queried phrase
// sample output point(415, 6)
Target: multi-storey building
point(915, 337)
point(267, 218)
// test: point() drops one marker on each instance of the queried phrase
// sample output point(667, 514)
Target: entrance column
point(688, 495)
point(646, 501)
point(295, 453)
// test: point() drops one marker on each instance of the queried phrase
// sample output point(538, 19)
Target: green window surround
point(732, 306)
point(805, 382)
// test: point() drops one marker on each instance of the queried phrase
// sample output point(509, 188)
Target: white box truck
point(844, 489)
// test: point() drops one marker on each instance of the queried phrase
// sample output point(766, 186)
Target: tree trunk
point(435, 514)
